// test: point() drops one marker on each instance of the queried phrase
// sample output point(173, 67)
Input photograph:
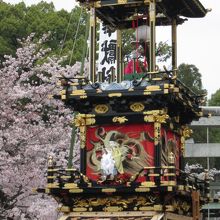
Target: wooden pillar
point(83, 150)
point(119, 57)
point(185, 133)
point(92, 46)
point(174, 45)
point(157, 151)
point(182, 153)
point(157, 147)
point(152, 22)
point(195, 205)
point(72, 143)
point(80, 122)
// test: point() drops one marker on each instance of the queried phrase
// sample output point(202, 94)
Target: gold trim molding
point(110, 95)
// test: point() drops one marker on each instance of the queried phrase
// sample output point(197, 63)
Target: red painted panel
point(128, 148)
point(170, 143)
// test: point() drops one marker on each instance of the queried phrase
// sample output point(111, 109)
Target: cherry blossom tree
point(197, 170)
point(33, 126)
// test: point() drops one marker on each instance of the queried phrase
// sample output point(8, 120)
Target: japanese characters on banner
point(107, 53)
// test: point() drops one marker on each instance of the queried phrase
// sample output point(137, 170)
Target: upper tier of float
point(120, 13)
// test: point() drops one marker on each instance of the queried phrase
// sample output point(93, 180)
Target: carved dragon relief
point(126, 203)
point(127, 154)
point(131, 203)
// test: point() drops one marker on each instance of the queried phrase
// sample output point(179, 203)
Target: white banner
point(107, 53)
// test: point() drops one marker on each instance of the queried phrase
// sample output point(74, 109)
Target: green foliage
point(189, 74)
point(127, 38)
point(199, 135)
point(12, 26)
point(163, 51)
point(214, 162)
point(19, 21)
point(215, 99)
point(214, 133)
point(198, 160)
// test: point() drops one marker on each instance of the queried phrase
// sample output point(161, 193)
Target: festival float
point(132, 125)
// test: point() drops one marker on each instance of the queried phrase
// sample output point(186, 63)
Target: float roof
point(120, 14)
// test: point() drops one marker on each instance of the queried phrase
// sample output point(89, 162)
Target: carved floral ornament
point(84, 119)
point(187, 132)
point(120, 120)
point(156, 118)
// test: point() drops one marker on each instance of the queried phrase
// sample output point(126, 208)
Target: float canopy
point(119, 14)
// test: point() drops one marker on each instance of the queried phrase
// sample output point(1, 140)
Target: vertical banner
point(107, 67)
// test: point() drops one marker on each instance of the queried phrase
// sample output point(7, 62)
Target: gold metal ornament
point(122, 1)
point(120, 120)
point(114, 94)
point(157, 132)
point(97, 4)
point(156, 118)
point(82, 130)
point(161, 118)
point(101, 109)
point(149, 118)
point(50, 162)
point(187, 132)
point(137, 107)
point(113, 209)
point(79, 92)
point(171, 158)
point(84, 119)
point(156, 112)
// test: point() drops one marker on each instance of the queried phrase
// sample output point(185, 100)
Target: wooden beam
point(172, 216)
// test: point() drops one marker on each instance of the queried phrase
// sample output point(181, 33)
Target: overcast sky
point(198, 41)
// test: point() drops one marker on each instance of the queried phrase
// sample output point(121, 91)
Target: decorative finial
point(171, 158)
point(50, 162)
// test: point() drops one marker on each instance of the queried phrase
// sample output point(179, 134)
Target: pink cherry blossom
point(32, 127)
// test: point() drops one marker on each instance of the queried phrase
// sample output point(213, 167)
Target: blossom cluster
point(33, 126)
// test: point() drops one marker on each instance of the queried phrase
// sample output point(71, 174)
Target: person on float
point(138, 62)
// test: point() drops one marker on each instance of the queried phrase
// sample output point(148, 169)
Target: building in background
point(208, 154)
